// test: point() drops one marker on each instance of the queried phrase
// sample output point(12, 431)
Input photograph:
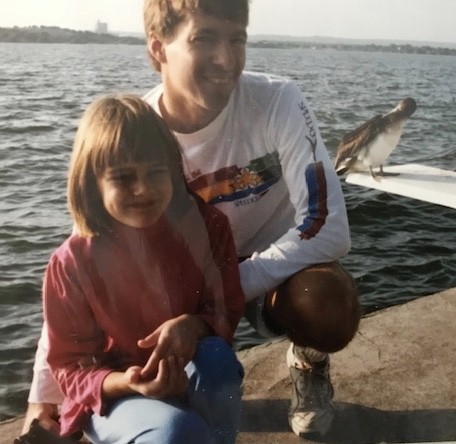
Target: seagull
point(369, 145)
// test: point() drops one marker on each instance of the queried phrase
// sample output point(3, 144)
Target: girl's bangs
point(130, 142)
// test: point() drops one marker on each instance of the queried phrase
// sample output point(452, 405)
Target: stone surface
point(395, 382)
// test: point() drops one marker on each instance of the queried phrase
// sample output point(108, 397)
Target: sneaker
point(311, 411)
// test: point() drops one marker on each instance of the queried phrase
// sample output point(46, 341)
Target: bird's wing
point(353, 141)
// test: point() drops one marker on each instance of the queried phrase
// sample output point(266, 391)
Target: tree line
point(371, 47)
point(54, 34)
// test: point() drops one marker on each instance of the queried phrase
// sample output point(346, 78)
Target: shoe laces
point(312, 383)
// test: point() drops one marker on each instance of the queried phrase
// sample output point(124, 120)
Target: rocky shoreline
point(395, 382)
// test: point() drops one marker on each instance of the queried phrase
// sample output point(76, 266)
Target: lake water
point(402, 248)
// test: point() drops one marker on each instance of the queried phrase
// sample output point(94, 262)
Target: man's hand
point(46, 414)
point(177, 337)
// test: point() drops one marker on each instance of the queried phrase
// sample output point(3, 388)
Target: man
point(251, 146)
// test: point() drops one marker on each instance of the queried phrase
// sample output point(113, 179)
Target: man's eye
point(239, 41)
point(203, 39)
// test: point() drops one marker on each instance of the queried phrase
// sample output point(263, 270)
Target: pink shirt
point(102, 294)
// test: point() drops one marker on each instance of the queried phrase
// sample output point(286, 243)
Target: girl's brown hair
point(113, 130)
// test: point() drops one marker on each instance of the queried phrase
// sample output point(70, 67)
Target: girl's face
point(136, 193)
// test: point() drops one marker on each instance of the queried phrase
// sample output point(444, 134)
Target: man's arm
point(321, 231)
point(45, 394)
point(46, 414)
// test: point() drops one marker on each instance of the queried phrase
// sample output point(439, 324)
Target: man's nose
point(224, 55)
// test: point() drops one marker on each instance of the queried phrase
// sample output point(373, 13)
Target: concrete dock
point(394, 383)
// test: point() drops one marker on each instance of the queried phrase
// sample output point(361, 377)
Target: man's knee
point(317, 307)
point(216, 362)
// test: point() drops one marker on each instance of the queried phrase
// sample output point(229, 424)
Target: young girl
point(142, 300)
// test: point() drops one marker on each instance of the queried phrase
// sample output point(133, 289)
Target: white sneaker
point(311, 410)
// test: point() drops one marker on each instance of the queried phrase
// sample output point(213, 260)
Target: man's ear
point(156, 48)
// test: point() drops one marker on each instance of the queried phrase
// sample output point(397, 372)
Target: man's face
point(202, 62)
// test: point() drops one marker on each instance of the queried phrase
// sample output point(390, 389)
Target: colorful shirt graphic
point(235, 184)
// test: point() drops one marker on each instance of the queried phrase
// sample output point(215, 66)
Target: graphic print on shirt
point(240, 185)
point(312, 134)
point(318, 201)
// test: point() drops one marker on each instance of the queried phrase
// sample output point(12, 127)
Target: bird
point(368, 146)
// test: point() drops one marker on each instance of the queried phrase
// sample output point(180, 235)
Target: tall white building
point(101, 27)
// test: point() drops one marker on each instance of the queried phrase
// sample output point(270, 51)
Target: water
point(402, 248)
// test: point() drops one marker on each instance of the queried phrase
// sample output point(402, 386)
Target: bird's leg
point(382, 173)
point(374, 176)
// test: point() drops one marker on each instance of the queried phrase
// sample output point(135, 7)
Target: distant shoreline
point(54, 34)
point(368, 47)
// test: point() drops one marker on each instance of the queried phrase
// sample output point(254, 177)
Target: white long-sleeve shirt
point(263, 163)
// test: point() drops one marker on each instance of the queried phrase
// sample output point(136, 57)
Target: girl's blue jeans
point(209, 414)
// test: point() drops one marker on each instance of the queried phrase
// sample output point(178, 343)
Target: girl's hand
point(176, 337)
point(170, 380)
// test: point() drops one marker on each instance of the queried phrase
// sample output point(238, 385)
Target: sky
point(417, 20)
